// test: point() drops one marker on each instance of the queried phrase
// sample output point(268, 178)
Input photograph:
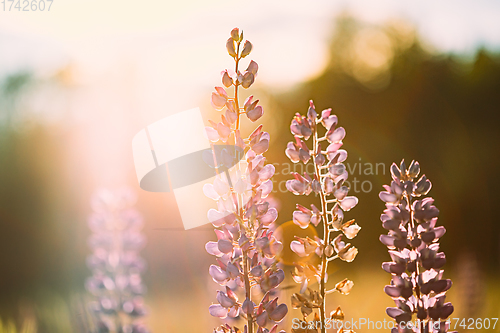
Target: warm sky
point(147, 59)
point(100, 34)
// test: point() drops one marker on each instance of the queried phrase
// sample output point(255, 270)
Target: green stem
point(324, 261)
point(236, 87)
point(247, 289)
point(248, 294)
point(417, 270)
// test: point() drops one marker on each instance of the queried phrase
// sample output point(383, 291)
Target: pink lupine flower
point(327, 182)
point(246, 247)
point(417, 285)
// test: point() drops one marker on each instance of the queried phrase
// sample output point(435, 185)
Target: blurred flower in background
point(116, 280)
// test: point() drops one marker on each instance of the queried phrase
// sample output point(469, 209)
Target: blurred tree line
point(397, 99)
point(37, 212)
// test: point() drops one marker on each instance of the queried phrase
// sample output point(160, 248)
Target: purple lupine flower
point(116, 266)
point(329, 183)
point(417, 286)
point(245, 250)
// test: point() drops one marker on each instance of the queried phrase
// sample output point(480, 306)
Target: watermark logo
point(170, 156)
point(361, 323)
point(361, 174)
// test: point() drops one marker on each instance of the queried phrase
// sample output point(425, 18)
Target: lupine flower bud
point(235, 34)
point(253, 67)
point(248, 79)
point(230, 47)
point(247, 48)
point(226, 80)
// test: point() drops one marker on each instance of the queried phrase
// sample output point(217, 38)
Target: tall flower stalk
point(417, 285)
point(116, 266)
point(245, 247)
point(329, 183)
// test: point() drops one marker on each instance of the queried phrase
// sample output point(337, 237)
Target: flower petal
point(279, 313)
point(220, 186)
point(267, 172)
point(348, 203)
point(351, 231)
point(261, 147)
point(387, 197)
point(255, 113)
point(248, 306)
point(209, 191)
point(215, 217)
point(218, 275)
point(224, 300)
point(266, 188)
point(241, 186)
point(217, 310)
point(301, 219)
point(341, 193)
point(298, 248)
point(344, 286)
point(225, 245)
point(337, 135)
point(213, 249)
point(212, 134)
point(218, 101)
point(348, 255)
point(269, 217)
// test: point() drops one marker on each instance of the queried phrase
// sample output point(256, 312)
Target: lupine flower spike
point(246, 247)
point(328, 183)
point(417, 285)
point(116, 266)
